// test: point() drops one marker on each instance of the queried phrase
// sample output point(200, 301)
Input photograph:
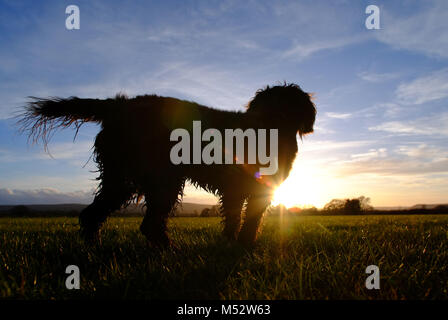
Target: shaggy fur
point(133, 147)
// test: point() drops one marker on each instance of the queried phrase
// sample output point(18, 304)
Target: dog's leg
point(159, 203)
point(231, 206)
point(110, 198)
point(256, 205)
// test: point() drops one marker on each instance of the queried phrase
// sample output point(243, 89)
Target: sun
point(304, 187)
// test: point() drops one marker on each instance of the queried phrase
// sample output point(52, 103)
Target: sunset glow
point(381, 95)
point(303, 188)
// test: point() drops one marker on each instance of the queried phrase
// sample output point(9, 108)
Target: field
point(294, 258)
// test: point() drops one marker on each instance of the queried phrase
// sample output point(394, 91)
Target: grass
point(294, 258)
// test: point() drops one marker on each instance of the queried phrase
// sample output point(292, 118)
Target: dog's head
point(289, 104)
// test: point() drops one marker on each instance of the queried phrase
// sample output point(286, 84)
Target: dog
point(132, 152)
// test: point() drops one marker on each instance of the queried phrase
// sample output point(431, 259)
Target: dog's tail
point(43, 116)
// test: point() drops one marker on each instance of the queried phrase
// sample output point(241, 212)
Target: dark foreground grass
point(295, 258)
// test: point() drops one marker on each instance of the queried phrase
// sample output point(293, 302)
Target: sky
point(381, 95)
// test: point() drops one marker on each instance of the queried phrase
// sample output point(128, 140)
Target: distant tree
point(441, 208)
point(365, 203)
point(295, 210)
point(205, 212)
point(335, 205)
point(215, 211)
point(349, 206)
point(352, 206)
point(312, 210)
point(20, 211)
point(73, 213)
point(278, 210)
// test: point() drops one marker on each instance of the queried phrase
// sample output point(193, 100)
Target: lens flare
point(303, 188)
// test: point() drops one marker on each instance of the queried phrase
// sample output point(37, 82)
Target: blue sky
point(381, 95)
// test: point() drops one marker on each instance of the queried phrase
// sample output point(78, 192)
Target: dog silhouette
point(132, 151)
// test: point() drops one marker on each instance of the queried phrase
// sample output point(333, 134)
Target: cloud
point(148, 46)
point(197, 195)
point(68, 150)
point(76, 153)
point(218, 54)
point(434, 125)
point(390, 109)
point(303, 50)
point(53, 196)
point(424, 89)
point(336, 115)
point(44, 196)
point(391, 175)
point(339, 160)
point(412, 159)
point(423, 151)
point(322, 129)
point(218, 33)
point(382, 109)
point(331, 145)
point(371, 154)
point(9, 196)
point(379, 165)
point(377, 77)
point(398, 127)
point(426, 31)
point(203, 84)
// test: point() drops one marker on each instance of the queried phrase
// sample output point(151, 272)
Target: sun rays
point(303, 188)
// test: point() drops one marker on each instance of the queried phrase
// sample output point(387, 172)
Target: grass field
point(295, 258)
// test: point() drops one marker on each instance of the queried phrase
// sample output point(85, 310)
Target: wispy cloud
point(425, 31)
point(371, 154)
point(336, 115)
point(423, 151)
point(75, 153)
point(337, 159)
point(218, 54)
point(303, 50)
point(389, 109)
point(331, 145)
point(377, 77)
point(434, 125)
point(424, 89)
point(411, 159)
point(398, 127)
point(392, 167)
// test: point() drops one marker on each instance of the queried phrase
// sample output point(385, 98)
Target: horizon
point(217, 204)
point(381, 95)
